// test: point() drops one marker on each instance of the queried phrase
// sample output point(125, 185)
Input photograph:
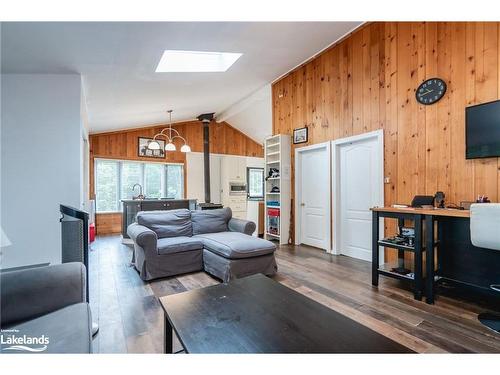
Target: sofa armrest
point(29, 293)
point(243, 226)
point(142, 236)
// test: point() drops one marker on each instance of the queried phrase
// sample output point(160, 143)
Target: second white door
point(314, 197)
point(361, 187)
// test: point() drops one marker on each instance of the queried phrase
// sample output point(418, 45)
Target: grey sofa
point(46, 302)
point(168, 243)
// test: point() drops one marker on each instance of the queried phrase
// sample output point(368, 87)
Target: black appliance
point(422, 200)
point(482, 130)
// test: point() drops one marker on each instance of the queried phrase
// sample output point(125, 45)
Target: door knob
point(302, 204)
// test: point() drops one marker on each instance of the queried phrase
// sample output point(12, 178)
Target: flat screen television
point(482, 130)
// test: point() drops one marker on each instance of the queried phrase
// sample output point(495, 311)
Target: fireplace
point(74, 238)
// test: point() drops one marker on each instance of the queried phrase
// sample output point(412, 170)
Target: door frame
point(298, 192)
point(336, 144)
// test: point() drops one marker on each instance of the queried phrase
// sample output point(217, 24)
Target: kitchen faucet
point(140, 196)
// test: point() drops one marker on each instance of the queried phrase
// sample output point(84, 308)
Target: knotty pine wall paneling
point(368, 81)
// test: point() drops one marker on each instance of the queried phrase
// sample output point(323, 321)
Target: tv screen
point(482, 130)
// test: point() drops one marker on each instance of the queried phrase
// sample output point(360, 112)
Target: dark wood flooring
point(131, 320)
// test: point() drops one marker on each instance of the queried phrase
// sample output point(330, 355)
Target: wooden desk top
point(425, 211)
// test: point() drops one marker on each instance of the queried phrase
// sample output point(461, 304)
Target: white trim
point(297, 209)
point(309, 59)
point(379, 135)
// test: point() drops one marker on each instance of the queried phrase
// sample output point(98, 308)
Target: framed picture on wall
point(145, 152)
point(300, 135)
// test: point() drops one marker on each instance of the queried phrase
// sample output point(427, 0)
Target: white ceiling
point(118, 60)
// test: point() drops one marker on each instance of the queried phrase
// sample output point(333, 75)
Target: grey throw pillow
point(210, 221)
point(165, 224)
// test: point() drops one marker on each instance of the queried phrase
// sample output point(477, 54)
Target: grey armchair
point(47, 301)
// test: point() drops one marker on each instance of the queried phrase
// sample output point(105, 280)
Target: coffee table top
point(258, 315)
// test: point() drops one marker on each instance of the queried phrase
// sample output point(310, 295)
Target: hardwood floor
point(131, 320)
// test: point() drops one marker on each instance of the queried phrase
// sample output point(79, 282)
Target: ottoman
point(232, 255)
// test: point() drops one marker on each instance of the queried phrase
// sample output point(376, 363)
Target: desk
point(458, 260)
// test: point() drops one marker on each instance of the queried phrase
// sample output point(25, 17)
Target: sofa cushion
point(235, 245)
point(210, 221)
point(166, 224)
point(178, 245)
point(69, 330)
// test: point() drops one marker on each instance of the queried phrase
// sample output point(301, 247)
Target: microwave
point(237, 188)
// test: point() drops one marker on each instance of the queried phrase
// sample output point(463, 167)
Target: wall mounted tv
point(482, 130)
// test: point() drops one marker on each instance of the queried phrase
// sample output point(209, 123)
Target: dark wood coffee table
point(258, 315)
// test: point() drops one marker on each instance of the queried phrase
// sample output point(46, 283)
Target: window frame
point(143, 169)
point(256, 197)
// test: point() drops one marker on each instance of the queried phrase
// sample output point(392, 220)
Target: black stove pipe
point(206, 118)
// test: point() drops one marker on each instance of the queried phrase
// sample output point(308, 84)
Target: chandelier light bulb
point(185, 148)
point(170, 146)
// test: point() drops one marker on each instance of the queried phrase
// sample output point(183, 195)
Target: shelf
point(277, 152)
point(273, 235)
point(273, 144)
point(386, 271)
point(396, 246)
point(401, 247)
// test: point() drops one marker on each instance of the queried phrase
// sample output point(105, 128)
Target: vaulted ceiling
point(118, 60)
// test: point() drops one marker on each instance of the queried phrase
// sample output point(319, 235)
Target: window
point(131, 174)
point(154, 180)
point(106, 183)
point(115, 179)
point(255, 183)
point(175, 181)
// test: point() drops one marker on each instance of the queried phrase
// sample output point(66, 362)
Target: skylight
point(196, 61)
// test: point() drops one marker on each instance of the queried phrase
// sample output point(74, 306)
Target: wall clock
point(430, 91)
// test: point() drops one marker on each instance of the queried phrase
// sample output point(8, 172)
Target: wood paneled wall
point(368, 82)
point(123, 145)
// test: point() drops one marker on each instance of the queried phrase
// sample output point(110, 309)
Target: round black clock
point(430, 91)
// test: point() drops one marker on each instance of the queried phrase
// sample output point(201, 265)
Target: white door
point(314, 195)
point(360, 183)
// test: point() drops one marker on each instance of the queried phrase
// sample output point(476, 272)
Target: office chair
point(485, 233)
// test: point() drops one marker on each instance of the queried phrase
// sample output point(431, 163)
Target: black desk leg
point(418, 258)
point(375, 248)
point(168, 344)
point(429, 248)
point(401, 253)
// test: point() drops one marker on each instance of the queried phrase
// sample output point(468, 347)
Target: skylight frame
point(179, 61)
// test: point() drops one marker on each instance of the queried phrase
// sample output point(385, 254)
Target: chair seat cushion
point(69, 330)
point(235, 245)
point(178, 245)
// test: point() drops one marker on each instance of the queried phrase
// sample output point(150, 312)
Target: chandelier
point(169, 134)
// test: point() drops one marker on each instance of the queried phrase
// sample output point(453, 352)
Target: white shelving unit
point(277, 155)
